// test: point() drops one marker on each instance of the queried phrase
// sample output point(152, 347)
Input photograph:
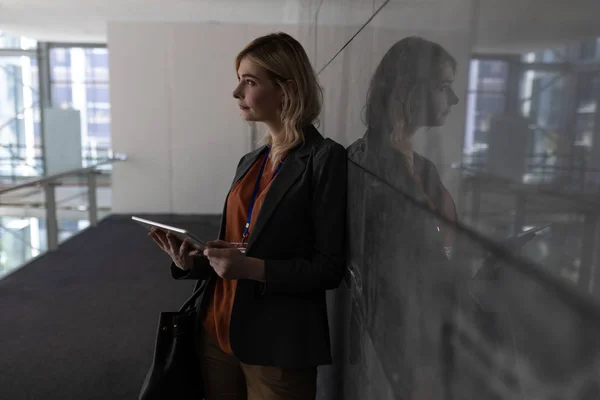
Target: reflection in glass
point(487, 98)
point(398, 206)
point(555, 55)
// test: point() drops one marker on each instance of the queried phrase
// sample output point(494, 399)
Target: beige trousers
point(226, 378)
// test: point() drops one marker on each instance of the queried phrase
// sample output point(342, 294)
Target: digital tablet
point(523, 238)
point(490, 264)
point(179, 233)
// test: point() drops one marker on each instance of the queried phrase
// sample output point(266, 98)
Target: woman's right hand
point(180, 252)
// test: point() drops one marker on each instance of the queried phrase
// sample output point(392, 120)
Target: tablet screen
point(179, 233)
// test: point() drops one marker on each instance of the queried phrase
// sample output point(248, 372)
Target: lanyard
point(255, 193)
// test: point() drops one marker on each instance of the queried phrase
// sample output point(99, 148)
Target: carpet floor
point(80, 322)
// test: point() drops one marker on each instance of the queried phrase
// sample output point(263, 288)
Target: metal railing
point(568, 172)
point(48, 185)
point(16, 165)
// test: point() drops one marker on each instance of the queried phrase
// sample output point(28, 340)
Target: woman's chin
point(438, 121)
point(246, 116)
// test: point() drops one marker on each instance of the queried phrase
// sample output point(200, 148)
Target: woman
point(404, 205)
point(264, 324)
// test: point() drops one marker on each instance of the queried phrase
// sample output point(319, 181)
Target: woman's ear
point(288, 90)
point(416, 105)
point(409, 107)
point(291, 86)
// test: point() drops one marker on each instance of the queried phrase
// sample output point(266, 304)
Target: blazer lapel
point(292, 168)
point(245, 165)
point(287, 176)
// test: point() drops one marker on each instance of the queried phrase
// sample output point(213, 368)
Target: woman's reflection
point(401, 201)
point(410, 90)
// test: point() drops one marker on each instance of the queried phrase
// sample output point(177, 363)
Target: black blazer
point(300, 235)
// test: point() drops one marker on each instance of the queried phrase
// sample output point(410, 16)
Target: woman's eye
point(250, 83)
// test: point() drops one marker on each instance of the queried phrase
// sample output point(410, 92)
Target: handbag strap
point(194, 295)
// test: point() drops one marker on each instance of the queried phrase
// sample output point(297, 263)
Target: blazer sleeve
point(200, 270)
point(325, 269)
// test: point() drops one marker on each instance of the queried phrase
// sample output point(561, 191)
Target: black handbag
point(175, 373)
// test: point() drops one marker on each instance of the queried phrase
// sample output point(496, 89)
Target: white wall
point(173, 113)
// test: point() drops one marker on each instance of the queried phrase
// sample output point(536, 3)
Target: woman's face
point(441, 97)
point(259, 98)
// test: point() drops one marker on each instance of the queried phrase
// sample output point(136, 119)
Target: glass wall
point(474, 230)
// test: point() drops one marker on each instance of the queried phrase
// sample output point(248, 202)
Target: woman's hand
point(230, 263)
point(180, 252)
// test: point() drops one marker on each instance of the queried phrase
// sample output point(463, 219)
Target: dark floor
point(79, 323)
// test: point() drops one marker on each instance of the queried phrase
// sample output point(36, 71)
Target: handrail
point(51, 178)
point(519, 263)
point(50, 195)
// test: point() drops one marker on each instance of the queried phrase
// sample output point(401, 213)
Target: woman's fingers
point(219, 244)
point(157, 241)
point(215, 253)
point(173, 244)
point(184, 250)
point(160, 241)
point(161, 237)
point(178, 251)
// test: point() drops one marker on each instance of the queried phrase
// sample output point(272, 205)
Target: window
point(98, 93)
point(555, 55)
point(19, 115)
point(587, 95)
point(60, 57)
point(590, 49)
point(8, 41)
point(80, 80)
point(62, 95)
point(486, 98)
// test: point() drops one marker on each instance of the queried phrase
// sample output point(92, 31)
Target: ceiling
point(501, 25)
point(85, 20)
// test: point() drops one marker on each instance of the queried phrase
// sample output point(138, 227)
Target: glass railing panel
point(21, 240)
point(41, 214)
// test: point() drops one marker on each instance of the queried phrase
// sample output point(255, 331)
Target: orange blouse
point(218, 312)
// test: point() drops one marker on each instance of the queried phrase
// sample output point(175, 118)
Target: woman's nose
point(237, 93)
point(453, 98)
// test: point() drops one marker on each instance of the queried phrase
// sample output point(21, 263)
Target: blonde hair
point(284, 59)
